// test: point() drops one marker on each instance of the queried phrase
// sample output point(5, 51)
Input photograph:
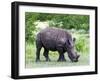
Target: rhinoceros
point(56, 39)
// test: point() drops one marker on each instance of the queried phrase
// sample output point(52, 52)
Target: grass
point(82, 45)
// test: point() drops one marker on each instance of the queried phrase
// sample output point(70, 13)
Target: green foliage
point(71, 22)
point(65, 21)
point(82, 44)
point(30, 28)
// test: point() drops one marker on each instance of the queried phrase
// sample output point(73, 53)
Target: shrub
point(82, 44)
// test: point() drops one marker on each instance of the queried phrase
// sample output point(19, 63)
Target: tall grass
point(81, 45)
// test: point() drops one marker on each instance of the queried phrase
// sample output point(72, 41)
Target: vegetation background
point(78, 25)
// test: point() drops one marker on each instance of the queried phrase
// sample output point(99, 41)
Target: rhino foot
point(61, 60)
point(48, 60)
point(37, 60)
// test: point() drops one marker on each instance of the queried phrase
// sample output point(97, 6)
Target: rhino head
point(72, 54)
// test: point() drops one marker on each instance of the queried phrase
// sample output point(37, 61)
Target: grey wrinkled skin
point(54, 39)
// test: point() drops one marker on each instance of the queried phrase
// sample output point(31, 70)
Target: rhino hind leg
point(46, 54)
point(38, 54)
point(61, 55)
point(38, 49)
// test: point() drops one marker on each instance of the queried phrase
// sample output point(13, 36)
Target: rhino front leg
point(61, 55)
point(46, 54)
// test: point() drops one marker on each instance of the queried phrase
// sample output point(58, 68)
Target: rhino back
point(53, 37)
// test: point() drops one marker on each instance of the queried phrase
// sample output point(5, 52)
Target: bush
point(82, 44)
point(64, 21)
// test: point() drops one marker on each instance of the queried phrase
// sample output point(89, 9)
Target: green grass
point(82, 45)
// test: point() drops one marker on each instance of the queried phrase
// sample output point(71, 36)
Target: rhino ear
point(74, 39)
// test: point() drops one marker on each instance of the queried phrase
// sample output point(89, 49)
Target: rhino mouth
point(74, 59)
